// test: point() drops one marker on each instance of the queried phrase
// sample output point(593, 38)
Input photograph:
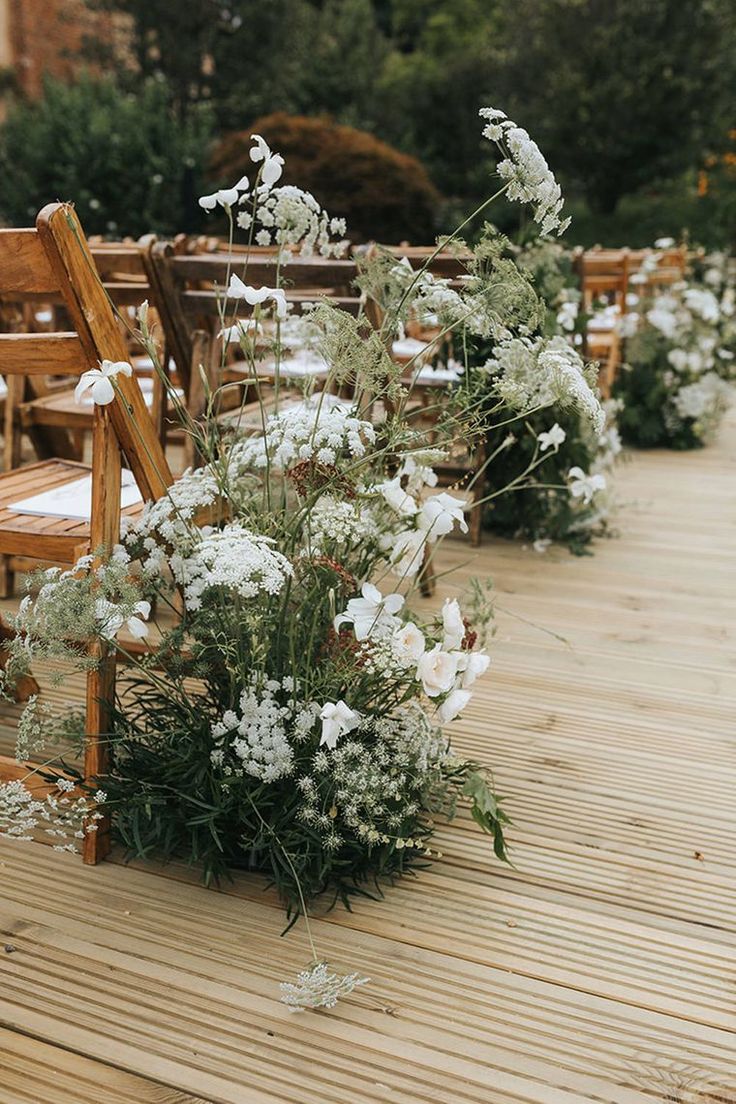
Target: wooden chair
point(189, 291)
point(604, 278)
point(54, 260)
point(48, 414)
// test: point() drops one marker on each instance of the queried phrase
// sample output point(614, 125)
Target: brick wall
point(45, 36)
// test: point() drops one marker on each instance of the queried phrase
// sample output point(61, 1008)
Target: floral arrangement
point(674, 387)
point(553, 445)
point(291, 717)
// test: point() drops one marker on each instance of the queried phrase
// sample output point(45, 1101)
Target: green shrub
point(380, 192)
point(126, 163)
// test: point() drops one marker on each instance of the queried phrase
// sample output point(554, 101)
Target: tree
point(618, 93)
point(128, 164)
point(440, 72)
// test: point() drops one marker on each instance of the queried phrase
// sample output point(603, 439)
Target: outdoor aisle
point(601, 967)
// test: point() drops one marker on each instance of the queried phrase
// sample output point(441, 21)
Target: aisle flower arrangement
point(291, 714)
point(679, 360)
point(560, 468)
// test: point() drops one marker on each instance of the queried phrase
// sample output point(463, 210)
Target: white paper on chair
point(74, 500)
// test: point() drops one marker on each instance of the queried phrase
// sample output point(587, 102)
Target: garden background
point(165, 95)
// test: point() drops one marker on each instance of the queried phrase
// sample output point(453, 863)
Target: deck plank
point(601, 967)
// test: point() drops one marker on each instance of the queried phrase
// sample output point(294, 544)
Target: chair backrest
point(603, 273)
point(54, 260)
point(189, 290)
point(450, 264)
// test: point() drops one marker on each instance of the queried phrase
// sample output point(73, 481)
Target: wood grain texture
point(601, 967)
point(53, 354)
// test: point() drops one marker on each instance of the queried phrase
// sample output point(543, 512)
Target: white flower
point(408, 642)
point(112, 620)
point(437, 671)
point(553, 438)
point(97, 380)
point(273, 163)
point(438, 515)
point(664, 243)
point(472, 666)
point(397, 498)
point(453, 624)
point(238, 290)
point(370, 613)
point(453, 704)
point(337, 719)
point(316, 988)
point(524, 168)
point(226, 197)
point(585, 486)
point(663, 320)
point(407, 553)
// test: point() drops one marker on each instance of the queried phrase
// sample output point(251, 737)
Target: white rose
point(453, 704)
point(437, 671)
point(452, 621)
point(408, 642)
point(476, 664)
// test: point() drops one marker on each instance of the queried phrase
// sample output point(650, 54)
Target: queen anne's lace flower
point(316, 987)
point(531, 373)
point(322, 431)
point(234, 558)
point(255, 741)
point(525, 170)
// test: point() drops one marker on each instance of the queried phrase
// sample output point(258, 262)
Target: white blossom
point(553, 438)
point(439, 514)
point(453, 704)
point(255, 296)
point(97, 381)
point(453, 625)
point(525, 170)
point(111, 619)
point(437, 671)
point(318, 988)
point(337, 720)
point(585, 486)
point(372, 613)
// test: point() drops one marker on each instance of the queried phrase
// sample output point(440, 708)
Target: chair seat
point(60, 408)
point(49, 538)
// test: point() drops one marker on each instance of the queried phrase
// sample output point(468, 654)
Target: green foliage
point(542, 507)
point(639, 87)
point(380, 192)
point(645, 395)
point(124, 160)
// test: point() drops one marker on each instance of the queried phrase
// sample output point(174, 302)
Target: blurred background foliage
point(630, 100)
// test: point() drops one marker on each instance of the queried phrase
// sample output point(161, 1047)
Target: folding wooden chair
point(604, 277)
point(54, 260)
point(189, 291)
point(49, 415)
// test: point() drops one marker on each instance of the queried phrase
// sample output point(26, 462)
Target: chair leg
point(427, 575)
point(100, 688)
point(7, 578)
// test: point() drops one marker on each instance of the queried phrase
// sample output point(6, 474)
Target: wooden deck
point(601, 968)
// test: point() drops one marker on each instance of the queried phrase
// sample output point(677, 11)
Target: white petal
point(85, 382)
point(208, 202)
point(137, 628)
point(103, 392)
